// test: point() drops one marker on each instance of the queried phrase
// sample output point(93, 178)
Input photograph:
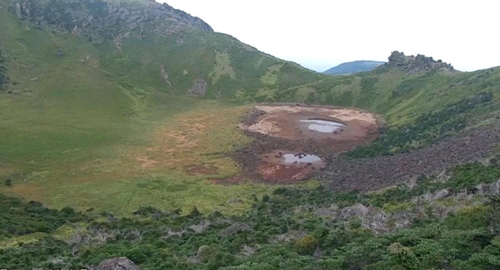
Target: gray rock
point(357, 210)
point(164, 75)
point(118, 264)
point(17, 8)
point(441, 194)
point(236, 228)
point(417, 63)
point(199, 88)
point(375, 220)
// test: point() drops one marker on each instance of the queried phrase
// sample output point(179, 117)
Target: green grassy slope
point(353, 67)
point(88, 120)
point(78, 127)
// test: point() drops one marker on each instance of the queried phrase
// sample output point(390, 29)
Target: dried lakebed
point(293, 143)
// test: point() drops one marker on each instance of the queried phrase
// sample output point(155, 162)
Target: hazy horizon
point(319, 35)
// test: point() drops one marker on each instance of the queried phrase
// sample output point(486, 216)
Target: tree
point(8, 182)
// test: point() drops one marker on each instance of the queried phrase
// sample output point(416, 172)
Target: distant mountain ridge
point(106, 20)
point(354, 67)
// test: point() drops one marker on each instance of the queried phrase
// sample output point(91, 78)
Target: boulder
point(118, 264)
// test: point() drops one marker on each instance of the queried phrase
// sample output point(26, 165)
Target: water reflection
point(324, 126)
point(301, 158)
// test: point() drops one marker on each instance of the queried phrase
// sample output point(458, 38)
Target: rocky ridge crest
point(413, 64)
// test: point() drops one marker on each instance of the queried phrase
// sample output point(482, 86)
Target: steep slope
point(353, 67)
point(185, 56)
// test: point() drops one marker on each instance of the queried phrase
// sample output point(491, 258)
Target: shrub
point(306, 245)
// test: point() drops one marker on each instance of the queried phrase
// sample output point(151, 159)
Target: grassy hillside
point(353, 67)
point(87, 122)
point(134, 117)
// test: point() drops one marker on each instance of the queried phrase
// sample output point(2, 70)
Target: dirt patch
point(297, 131)
point(297, 123)
point(283, 167)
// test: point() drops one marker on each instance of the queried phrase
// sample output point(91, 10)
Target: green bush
point(306, 245)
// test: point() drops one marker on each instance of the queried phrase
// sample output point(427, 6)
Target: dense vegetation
point(281, 230)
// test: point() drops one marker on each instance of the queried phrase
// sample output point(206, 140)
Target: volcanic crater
point(293, 142)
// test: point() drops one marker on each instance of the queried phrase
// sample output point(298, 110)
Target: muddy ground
point(341, 173)
point(284, 122)
point(278, 130)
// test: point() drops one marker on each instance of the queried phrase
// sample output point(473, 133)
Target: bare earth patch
point(194, 143)
point(287, 136)
point(288, 122)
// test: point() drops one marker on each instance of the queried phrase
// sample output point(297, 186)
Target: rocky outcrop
point(236, 228)
point(164, 75)
point(199, 88)
point(372, 218)
point(413, 64)
point(102, 21)
point(118, 264)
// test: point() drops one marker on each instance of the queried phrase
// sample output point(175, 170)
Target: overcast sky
point(319, 34)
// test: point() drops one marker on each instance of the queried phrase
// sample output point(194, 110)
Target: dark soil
point(375, 173)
